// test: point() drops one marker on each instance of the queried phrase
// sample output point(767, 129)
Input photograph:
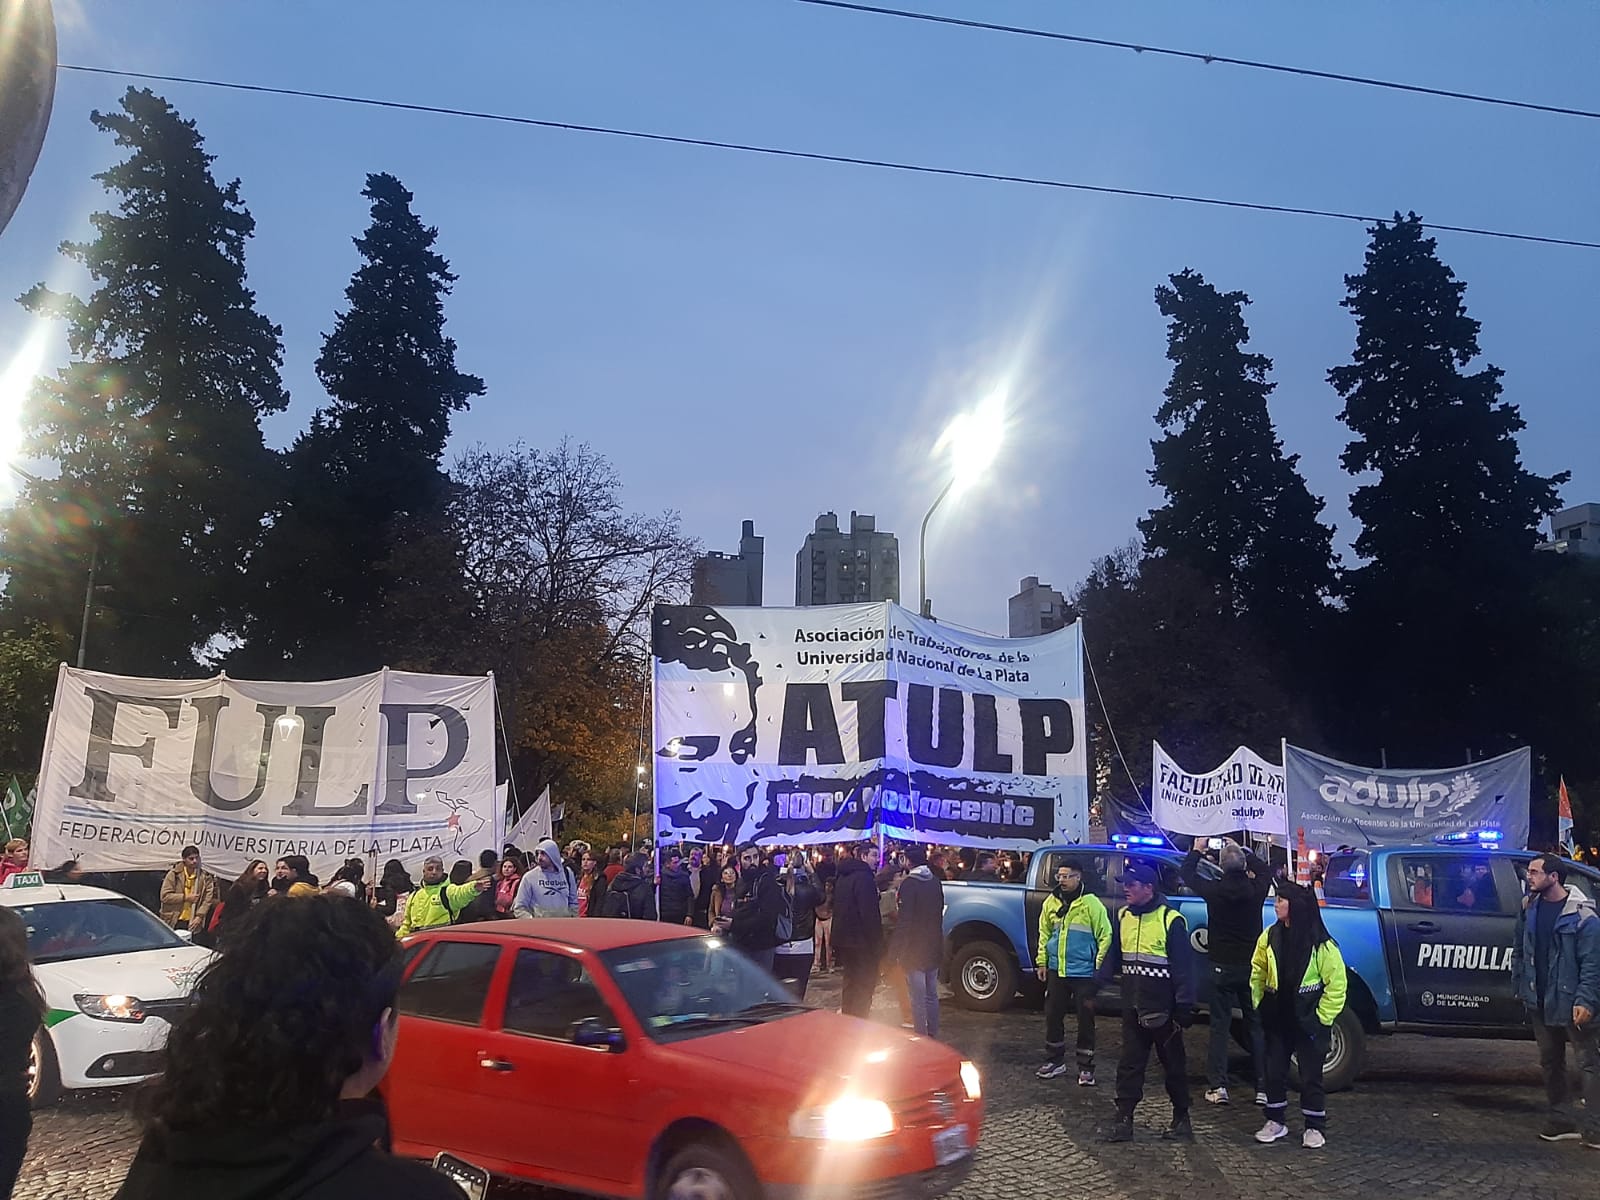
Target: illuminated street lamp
point(972, 441)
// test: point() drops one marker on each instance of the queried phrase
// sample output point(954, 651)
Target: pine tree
point(1237, 508)
point(163, 475)
point(1444, 600)
point(365, 477)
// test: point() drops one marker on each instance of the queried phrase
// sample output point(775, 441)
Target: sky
point(751, 337)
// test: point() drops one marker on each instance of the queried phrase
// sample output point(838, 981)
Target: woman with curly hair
point(21, 1014)
point(268, 1079)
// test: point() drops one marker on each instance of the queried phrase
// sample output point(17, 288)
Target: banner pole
point(505, 738)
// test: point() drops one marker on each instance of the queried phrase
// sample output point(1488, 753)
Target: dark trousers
point(1058, 993)
point(794, 971)
point(1230, 986)
point(16, 1122)
point(1553, 1041)
point(1282, 1042)
point(860, 965)
point(1137, 1042)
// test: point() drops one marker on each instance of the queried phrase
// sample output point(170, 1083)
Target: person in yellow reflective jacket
point(438, 901)
point(1297, 980)
point(1074, 935)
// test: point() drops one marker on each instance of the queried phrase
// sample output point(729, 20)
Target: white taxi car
point(114, 977)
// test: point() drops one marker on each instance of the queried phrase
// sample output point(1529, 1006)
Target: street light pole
point(923, 606)
point(88, 604)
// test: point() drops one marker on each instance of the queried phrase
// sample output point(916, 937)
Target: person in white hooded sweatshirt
point(548, 889)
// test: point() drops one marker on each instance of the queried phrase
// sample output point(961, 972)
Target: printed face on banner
point(813, 725)
point(391, 765)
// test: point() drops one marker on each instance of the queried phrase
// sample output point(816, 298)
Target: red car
point(626, 1058)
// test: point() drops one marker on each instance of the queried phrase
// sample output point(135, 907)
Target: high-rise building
point(1037, 608)
point(847, 567)
point(1575, 530)
point(731, 578)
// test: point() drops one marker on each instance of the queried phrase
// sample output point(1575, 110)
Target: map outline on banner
point(814, 725)
point(394, 764)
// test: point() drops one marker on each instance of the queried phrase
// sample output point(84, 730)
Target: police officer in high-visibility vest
point(1150, 950)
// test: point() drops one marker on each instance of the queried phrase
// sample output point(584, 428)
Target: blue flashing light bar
point(1470, 837)
point(1136, 839)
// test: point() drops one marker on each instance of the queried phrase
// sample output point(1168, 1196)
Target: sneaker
point(1217, 1096)
point(1557, 1129)
point(1261, 1099)
point(1052, 1070)
point(1312, 1139)
point(1122, 1131)
point(1271, 1132)
point(1085, 1078)
point(1180, 1130)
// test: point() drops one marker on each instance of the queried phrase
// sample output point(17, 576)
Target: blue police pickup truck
point(1426, 933)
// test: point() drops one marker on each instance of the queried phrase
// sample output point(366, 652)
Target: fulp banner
point(1245, 792)
point(388, 765)
point(1339, 804)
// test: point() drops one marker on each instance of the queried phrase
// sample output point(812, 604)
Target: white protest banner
point(533, 826)
point(388, 765)
point(811, 725)
point(1245, 792)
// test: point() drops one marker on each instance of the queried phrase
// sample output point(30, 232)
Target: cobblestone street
point(1428, 1114)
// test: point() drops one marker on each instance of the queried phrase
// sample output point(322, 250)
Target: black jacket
point(856, 923)
point(803, 909)
point(339, 1159)
point(709, 874)
point(677, 895)
point(918, 941)
point(757, 905)
point(630, 896)
point(598, 888)
point(1233, 908)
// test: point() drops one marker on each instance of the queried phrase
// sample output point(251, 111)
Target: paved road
point(1429, 1115)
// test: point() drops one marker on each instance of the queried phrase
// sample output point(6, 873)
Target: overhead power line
point(1199, 56)
point(817, 156)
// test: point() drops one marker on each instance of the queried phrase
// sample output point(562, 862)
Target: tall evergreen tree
point(365, 477)
point(1237, 509)
point(163, 475)
point(1449, 521)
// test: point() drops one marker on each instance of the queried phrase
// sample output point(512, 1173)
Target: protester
point(1233, 926)
point(631, 895)
point(702, 878)
point(267, 1075)
point(824, 914)
point(917, 943)
point(1555, 966)
point(16, 858)
point(613, 863)
point(791, 958)
point(350, 880)
point(857, 930)
point(507, 884)
point(591, 885)
point(1074, 937)
point(757, 908)
point(437, 901)
point(188, 892)
point(1297, 981)
point(888, 883)
point(22, 1010)
point(723, 897)
point(294, 873)
point(242, 895)
point(985, 871)
point(677, 890)
point(395, 885)
point(548, 889)
point(1150, 950)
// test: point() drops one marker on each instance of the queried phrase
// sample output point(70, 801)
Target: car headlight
point(971, 1080)
point(851, 1119)
point(115, 1007)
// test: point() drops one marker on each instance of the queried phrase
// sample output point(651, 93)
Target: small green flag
point(18, 810)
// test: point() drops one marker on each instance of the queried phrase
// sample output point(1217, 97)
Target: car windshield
point(691, 987)
point(92, 928)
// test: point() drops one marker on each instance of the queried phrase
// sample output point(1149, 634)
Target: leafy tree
point(28, 663)
point(1237, 508)
point(365, 478)
point(163, 474)
point(1440, 615)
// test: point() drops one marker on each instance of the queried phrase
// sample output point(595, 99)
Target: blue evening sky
point(753, 337)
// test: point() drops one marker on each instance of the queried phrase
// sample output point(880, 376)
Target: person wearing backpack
point(797, 925)
point(437, 901)
point(632, 895)
point(758, 905)
point(549, 888)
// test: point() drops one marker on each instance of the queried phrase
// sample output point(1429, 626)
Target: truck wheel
point(982, 977)
point(44, 1076)
point(1347, 1048)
